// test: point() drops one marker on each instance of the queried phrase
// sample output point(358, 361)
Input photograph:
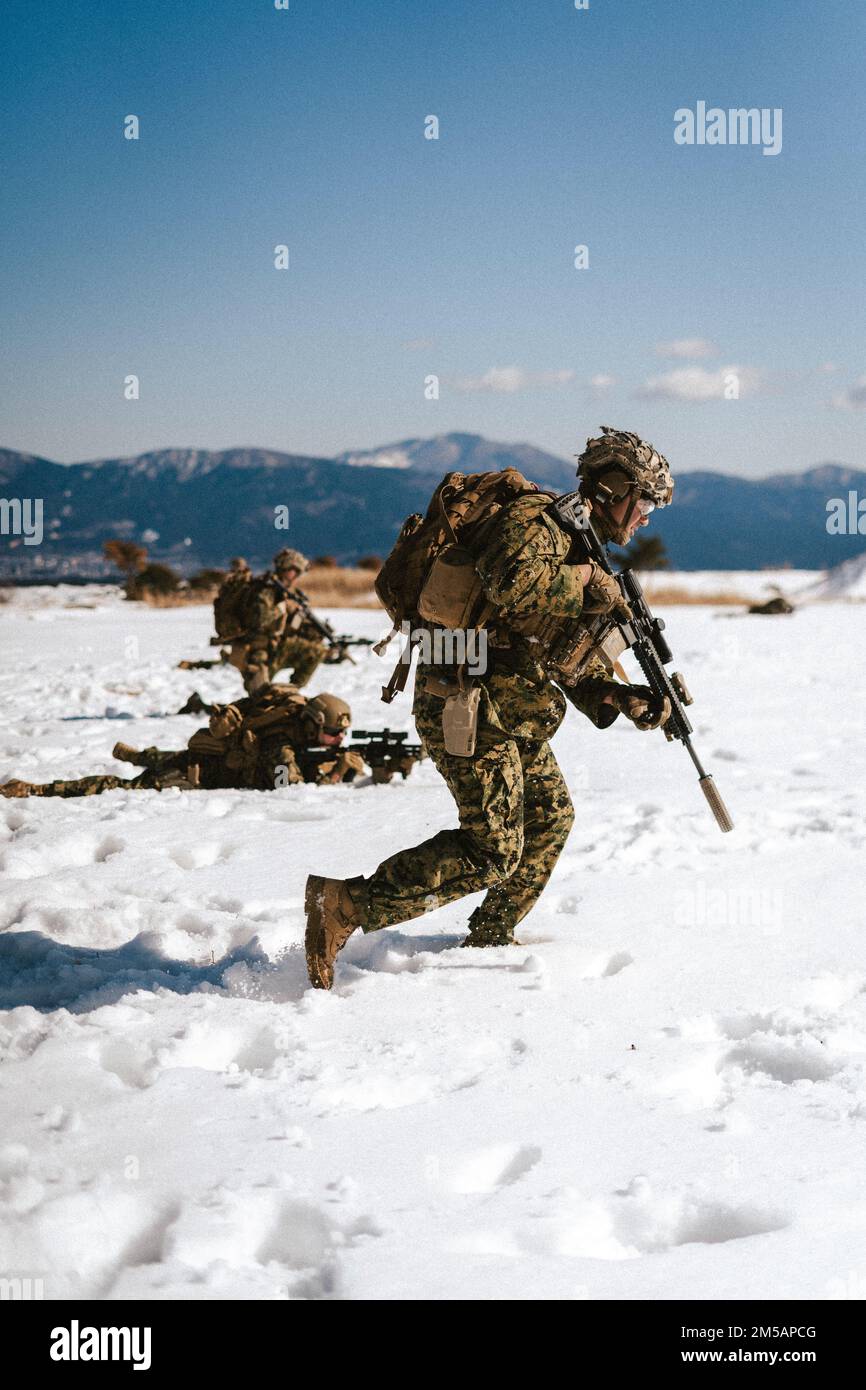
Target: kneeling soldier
point(280, 635)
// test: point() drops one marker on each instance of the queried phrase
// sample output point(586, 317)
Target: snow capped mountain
point(377, 458)
point(187, 464)
point(205, 505)
point(470, 453)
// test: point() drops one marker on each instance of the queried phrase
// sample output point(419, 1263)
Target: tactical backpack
point(231, 605)
point(237, 737)
point(240, 614)
point(430, 574)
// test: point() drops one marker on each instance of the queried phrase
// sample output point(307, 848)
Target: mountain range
point(197, 507)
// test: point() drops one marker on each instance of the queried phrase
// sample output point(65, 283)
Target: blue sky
point(411, 257)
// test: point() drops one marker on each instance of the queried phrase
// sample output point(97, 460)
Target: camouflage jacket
point(276, 614)
point(521, 557)
point(263, 740)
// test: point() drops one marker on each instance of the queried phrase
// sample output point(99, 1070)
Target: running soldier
point(515, 811)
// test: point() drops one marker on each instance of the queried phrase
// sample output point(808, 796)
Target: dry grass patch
point(328, 586)
point(670, 594)
point(186, 598)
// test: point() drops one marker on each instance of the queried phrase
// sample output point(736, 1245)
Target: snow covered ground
point(660, 1094)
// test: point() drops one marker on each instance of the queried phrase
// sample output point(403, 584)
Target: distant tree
point(129, 557)
point(153, 579)
point(646, 553)
point(370, 562)
point(325, 562)
point(206, 579)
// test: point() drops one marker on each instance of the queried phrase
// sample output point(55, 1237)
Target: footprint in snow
point(782, 1060)
point(492, 1168)
point(631, 1223)
point(602, 967)
point(200, 856)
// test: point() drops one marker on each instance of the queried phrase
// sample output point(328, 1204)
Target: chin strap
point(615, 529)
point(632, 511)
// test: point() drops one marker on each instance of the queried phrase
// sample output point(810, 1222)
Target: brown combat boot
point(195, 705)
point(489, 939)
point(488, 933)
point(332, 916)
point(17, 788)
point(125, 753)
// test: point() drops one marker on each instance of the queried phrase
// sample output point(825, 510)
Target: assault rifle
point(203, 665)
point(339, 645)
point(643, 633)
point(385, 751)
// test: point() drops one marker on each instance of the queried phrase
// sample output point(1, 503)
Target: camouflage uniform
point(162, 769)
point(280, 638)
point(515, 810)
point(260, 742)
point(272, 742)
point(301, 649)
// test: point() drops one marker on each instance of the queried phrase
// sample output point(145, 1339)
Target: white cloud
point(507, 380)
point(699, 385)
point(602, 381)
point(854, 398)
point(687, 347)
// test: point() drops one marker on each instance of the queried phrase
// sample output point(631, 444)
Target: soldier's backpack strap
point(397, 681)
point(281, 713)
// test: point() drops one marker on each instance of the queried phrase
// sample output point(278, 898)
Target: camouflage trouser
point(163, 769)
point(299, 655)
point(515, 816)
point(259, 665)
point(252, 662)
point(92, 786)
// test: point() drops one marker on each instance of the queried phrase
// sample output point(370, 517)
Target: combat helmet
point(239, 565)
point(328, 713)
point(287, 559)
point(615, 464)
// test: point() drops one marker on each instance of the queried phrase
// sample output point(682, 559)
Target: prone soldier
point(274, 739)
